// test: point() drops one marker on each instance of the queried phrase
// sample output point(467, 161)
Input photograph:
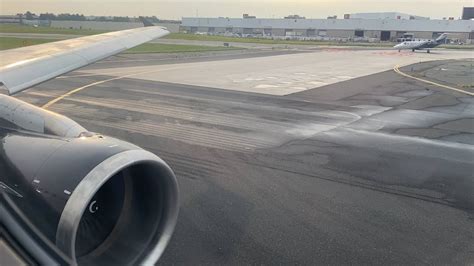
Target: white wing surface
point(28, 66)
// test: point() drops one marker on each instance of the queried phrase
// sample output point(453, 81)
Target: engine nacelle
point(98, 199)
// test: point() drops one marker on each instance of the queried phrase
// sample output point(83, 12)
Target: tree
point(121, 19)
point(29, 15)
point(73, 17)
point(47, 16)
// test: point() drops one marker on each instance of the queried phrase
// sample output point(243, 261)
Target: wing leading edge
point(25, 67)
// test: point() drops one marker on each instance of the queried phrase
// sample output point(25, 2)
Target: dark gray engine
point(98, 199)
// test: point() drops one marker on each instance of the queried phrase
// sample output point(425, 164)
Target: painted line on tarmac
point(397, 70)
point(90, 75)
point(71, 92)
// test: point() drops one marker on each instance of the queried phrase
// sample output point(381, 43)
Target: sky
point(169, 9)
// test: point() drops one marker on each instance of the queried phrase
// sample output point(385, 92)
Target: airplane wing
point(57, 179)
point(25, 67)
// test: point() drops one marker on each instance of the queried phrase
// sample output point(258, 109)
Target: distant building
point(16, 19)
point(294, 17)
point(386, 15)
point(248, 16)
point(333, 29)
point(36, 22)
point(172, 26)
point(468, 13)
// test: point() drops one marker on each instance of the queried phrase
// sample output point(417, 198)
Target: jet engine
point(99, 200)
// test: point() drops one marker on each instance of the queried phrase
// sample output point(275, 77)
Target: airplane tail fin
point(441, 38)
point(146, 22)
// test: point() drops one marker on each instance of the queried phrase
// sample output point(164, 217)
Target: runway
point(282, 74)
point(372, 169)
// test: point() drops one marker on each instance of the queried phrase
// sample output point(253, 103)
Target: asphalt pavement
point(372, 170)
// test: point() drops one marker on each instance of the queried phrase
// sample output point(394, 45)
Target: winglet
point(146, 22)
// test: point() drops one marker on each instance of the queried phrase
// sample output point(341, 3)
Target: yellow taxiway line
point(397, 69)
point(71, 92)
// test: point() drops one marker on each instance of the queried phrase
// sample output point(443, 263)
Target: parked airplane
point(418, 45)
point(70, 196)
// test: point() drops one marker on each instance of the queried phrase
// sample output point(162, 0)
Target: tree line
point(80, 17)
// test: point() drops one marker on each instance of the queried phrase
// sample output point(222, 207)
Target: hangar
point(386, 29)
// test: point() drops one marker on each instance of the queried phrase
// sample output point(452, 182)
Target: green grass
point(454, 46)
point(13, 28)
point(175, 48)
point(11, 42)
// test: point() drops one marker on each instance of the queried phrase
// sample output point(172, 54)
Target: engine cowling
point(98, 199)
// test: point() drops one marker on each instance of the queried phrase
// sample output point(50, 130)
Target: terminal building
point(367, 26)
point(10, 19)
point(468, 13)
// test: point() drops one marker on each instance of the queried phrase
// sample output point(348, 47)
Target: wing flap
point(25, 67)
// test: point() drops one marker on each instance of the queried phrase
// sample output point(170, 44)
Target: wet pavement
point(372, 170)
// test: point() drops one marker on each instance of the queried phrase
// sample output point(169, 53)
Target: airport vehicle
point(419, 45)
point(406, 37)
point(68, 195)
